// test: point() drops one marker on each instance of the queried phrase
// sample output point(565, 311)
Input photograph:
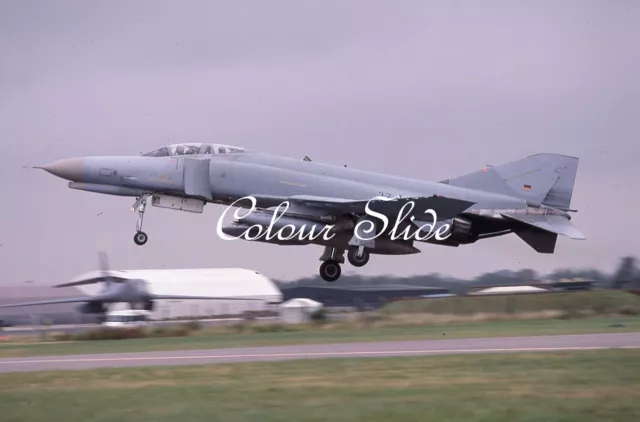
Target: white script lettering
point(296, 228)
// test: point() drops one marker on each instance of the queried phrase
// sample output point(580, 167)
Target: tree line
point(626, 276)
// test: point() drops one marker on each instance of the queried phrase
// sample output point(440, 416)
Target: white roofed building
point(509, 290)
point(234, 292)
point(223, 283)
point(298, 310)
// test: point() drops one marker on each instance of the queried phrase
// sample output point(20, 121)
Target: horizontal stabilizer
point(555, 224)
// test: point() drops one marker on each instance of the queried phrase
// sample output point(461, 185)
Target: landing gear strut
point(358, 256)
point(330, 269)
point(140, 238)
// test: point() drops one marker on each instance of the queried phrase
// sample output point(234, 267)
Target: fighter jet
point(530, 197)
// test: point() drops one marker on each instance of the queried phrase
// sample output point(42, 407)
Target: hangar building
point(221, 283)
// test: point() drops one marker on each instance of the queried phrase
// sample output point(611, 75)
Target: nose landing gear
point(140, 238)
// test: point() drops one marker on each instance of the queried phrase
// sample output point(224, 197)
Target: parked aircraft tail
point(545, 178)
point(104, 275)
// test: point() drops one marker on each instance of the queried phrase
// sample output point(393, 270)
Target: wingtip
point(575, 234)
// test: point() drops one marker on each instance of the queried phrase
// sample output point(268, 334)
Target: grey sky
point(442, 88)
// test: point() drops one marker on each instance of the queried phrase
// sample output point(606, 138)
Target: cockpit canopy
point(193, 149)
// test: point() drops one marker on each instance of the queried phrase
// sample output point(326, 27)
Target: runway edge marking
point(319, 354)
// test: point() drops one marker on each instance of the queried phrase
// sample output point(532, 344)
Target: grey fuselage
point(233, 176)
point(236, 175)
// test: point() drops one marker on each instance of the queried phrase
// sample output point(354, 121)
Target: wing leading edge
point(54, 302)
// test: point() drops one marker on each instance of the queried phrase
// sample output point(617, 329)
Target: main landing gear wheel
point(330, 270)
point(358, 260)
point(140, 238)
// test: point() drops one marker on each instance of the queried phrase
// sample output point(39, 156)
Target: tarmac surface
point(319, 351)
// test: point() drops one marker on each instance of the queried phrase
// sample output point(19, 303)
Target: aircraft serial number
point(388, 195)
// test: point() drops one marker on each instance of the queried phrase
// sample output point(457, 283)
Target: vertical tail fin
point(541, 179)
point(104, 270)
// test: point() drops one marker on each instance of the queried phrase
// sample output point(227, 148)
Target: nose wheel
point(140, 238)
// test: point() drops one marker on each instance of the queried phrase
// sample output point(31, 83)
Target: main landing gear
point(358, 256)
point(140, 238)
point(330, 269)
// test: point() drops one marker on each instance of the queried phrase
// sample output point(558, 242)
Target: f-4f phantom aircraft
point(530, 197)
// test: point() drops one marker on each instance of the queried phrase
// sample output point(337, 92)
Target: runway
point(344, 350)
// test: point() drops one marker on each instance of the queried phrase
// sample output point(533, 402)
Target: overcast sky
point(421, 89)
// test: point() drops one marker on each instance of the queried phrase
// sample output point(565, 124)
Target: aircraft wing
point(555, 224)
point(93, 280)
point(97, 299)
point(444, 207)
point(311, 203)
point(51, 302)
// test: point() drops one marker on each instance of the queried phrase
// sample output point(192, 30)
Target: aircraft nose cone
point(71, 169)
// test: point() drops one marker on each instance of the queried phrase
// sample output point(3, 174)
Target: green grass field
point(210, 339)
point(585, 386)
